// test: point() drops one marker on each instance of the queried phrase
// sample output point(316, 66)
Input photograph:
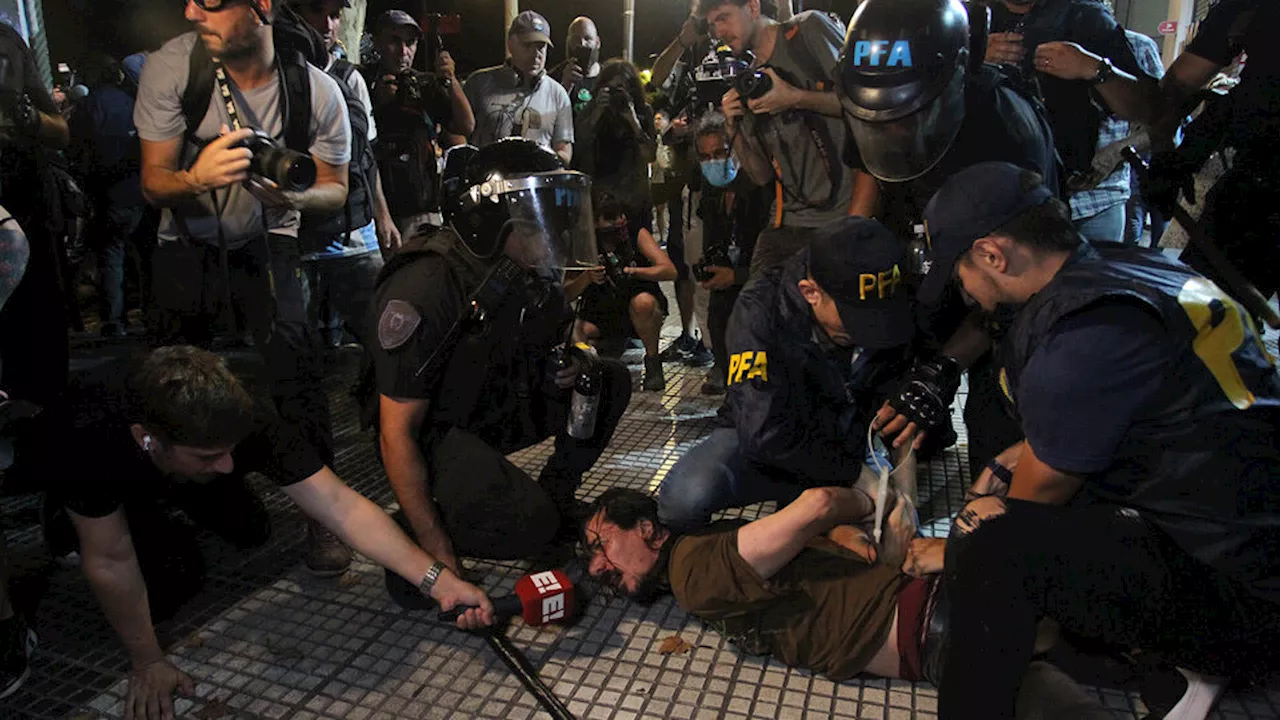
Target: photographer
point(733, 212)
point(622, 297)
point(580, 70)
point(228, 233)
point(616, 141)
point(784, 118)
point(517, 99)
point(411, 107)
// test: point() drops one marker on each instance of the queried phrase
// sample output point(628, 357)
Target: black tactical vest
point(490, 381)
point(1200, 461)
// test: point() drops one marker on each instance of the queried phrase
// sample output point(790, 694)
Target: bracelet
point(1004, 474)
point(429, 580)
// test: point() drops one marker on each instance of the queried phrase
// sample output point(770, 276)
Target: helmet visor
point(908, 147)
point(550, 225)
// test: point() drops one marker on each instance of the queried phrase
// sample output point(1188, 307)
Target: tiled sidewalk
point(268, 641)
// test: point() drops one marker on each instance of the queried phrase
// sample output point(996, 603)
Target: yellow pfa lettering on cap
point(883, 283)
point(748, 365)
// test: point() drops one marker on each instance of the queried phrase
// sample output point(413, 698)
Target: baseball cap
point(529, 25)
point(396, 18)
point(858, 262)
point(969, 206)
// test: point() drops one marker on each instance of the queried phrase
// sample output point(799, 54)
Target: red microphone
point(540, 598)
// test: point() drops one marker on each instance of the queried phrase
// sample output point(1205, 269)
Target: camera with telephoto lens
point(291, 170)
point(424, 92)
point(714, 256)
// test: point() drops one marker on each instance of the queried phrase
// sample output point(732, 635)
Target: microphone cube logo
point(553, 608)
point(545, 582)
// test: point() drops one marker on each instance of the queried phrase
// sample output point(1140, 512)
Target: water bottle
point(584, 405)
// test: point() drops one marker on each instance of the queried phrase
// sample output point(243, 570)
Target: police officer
point(1241, 212)
point(468, 320)
point(1141, 508)
point(923, 106)
point(811, 344)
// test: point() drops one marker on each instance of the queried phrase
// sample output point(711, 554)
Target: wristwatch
point(1105, 72)
point(429, 580)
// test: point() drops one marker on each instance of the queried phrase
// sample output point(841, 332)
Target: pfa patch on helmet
point(396, 325)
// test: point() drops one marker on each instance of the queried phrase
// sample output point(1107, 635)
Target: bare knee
point(976, 512)
point(588, 330)
point(644, 305)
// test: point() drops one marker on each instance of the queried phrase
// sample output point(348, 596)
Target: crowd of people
point(860, 211)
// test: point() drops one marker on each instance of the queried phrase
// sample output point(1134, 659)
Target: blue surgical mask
point(720, 172)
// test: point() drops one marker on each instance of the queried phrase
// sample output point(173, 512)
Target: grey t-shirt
point(505, 106)
point(789, 138)
point(158, 115)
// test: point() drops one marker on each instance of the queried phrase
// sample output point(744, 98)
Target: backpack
point(362, 173)
point(297, 44)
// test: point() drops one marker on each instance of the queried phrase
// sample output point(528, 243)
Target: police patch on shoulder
point(395, 327)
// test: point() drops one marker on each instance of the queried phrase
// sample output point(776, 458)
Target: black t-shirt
point(1232, 27)
point(581, 92)
point(108, 469)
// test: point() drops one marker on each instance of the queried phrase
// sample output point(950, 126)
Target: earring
point(146, 443)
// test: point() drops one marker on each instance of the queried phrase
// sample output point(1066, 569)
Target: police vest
point(1200, 461)
point(498, 359)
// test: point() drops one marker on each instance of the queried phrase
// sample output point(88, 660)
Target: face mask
point(720, 172)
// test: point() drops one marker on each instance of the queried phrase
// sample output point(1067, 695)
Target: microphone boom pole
point(528, 676)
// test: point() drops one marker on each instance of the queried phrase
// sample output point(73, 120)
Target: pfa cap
point(970, 205)
point(859, 263)
point(529, 25)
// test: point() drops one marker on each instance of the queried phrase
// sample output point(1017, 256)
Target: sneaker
point(699, 356)
point(15, 656)
point(326, 555)
point(654, 379)
point(678, 349)
point(1180, 694)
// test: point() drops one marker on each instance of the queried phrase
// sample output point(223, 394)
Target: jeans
point(714, 476)
point(1101, 572)
point(344, 285)
point(267, 289)
point(113, 229)
point(1106, 226)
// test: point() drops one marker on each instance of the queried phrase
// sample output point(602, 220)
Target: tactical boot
point(326, 555)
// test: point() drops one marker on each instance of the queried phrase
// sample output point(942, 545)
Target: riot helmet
point(902, 80)
point(515, 195)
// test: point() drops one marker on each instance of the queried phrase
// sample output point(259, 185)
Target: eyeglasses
point(608, 583)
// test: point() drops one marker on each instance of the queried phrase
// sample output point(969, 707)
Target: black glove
point(926, 395)
point(1172, 172)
